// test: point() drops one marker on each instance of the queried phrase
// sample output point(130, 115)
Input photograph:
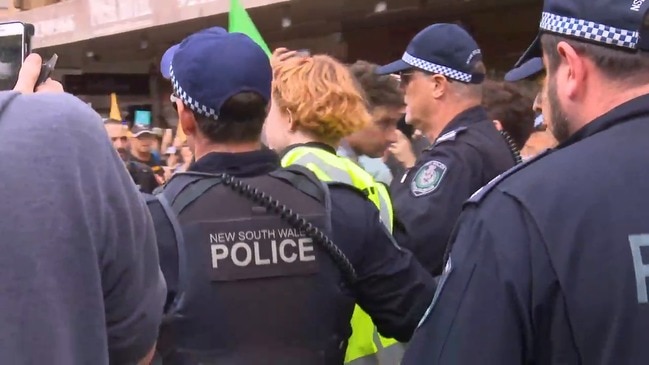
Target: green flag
point(240, 22)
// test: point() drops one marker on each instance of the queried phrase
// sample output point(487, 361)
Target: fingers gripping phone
point(15, 46)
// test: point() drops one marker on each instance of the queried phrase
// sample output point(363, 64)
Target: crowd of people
point(316, 212)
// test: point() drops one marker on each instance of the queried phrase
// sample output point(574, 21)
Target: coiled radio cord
point(297, 222)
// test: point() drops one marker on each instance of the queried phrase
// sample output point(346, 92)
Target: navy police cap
point(613, 23)
point(210, 66)
point(528, 69)
point(444, 49)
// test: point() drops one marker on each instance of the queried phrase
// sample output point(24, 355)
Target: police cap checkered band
point(193, 104)
point(436, 69)
point(589, 30)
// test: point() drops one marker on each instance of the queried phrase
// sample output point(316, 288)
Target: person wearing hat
point(143, 139)
point(541, 138)
point(549, 262)
point(442, 74)
point(267, 262)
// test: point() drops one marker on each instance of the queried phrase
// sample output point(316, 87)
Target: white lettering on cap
point(473, 54)
point(636, 4)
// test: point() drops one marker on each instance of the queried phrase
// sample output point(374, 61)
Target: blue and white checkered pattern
point(194, 105)
point(589, 30)
point(435, 68)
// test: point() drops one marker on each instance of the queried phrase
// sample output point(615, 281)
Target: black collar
point(628, 111)
point(468, 117)
point(245, 164)
point(322, 146)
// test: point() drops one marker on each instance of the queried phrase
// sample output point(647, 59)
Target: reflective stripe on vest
point(366, 346)
point(329, 167)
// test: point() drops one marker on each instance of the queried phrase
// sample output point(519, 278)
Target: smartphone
point(15, 45)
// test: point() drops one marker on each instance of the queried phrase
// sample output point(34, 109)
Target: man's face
point(419, 103)
point(143, 143)
point(375, 139)
point(553, 112)
point(118, 136)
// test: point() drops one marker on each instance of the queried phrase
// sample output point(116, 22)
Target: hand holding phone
point(15, 47)
point(29, 76)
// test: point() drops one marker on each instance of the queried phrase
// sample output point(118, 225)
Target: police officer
point(548, 264)
point(248, 286)
point(442, 73)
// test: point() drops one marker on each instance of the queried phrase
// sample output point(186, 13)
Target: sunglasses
point(406, 76)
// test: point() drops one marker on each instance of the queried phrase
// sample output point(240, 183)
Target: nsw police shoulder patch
point(428, 178)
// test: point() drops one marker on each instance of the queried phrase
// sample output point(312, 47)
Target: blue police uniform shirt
point(428, 198)
point(393, 287)
point(549, 262)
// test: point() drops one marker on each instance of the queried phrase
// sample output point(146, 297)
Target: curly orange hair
point(321, 96)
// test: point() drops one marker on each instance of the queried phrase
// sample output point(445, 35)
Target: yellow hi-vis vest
point(365, 345)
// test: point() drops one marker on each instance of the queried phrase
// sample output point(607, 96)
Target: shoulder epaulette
point(481, 193)
point(450, 136)
point(447, 137)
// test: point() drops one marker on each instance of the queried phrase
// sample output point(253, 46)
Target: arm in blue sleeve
point(482, 311)
point(393, 288)
point(425, 209)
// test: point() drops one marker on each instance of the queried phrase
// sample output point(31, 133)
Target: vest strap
point(193, 192)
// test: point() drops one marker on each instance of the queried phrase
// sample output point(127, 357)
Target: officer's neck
point(241, 147)
point(445, 115)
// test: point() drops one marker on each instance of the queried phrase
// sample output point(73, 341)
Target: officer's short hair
point(241, 119)
point(473, 91)
point(506, 103)
point(380, 90)
point(616, 64)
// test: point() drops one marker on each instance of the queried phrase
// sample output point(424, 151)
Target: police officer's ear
point(499, 126)
point(186, 118)
point(439, 85)
point(573, 70)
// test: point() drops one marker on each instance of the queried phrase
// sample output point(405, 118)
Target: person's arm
point(498, 274)
point(134, 288)
point(393, 288)
point(428, 200)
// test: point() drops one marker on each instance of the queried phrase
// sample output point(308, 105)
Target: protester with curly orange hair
point(315, 103)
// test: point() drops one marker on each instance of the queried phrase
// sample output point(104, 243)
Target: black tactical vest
point(251, 288)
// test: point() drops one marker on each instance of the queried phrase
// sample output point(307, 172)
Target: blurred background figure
point(119, 136)
point(142, 174)
point(144, 142)
point(541, 137)
point(510, 111)
point(384, 98)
